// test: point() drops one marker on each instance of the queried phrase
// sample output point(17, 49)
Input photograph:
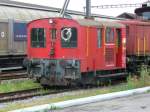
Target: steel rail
point(25, 94)
point(8, 75)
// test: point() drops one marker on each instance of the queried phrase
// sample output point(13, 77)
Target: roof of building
point(26, 5)
point(127, 15)
point(9, 10)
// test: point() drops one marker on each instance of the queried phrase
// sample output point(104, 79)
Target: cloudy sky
point(79, 4)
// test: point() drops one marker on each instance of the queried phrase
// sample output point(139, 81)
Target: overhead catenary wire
point(117, 6)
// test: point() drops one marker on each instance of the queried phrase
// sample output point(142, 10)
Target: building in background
point(144, 11)
point(127, 15)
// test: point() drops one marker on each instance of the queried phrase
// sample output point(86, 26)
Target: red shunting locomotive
point(65, 51)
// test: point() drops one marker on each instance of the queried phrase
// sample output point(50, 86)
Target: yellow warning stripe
point(144, 45)
point(104, 39)
point(138, 46)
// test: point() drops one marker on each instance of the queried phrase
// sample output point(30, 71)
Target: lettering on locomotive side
point(20, 31)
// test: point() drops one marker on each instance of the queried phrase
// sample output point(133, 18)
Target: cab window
point(68, 37)
point(38, 37)
point(99, 37)
point(118, 31)
point(109, 35)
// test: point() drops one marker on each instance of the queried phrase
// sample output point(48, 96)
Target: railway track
point(10, 76)
point(13, 74)
point(25, 94)
point(19, 95)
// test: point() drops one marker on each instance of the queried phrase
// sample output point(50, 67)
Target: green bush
point(139, 81)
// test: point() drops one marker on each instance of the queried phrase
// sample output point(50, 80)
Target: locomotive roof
point(136, 22)
point(87, 22)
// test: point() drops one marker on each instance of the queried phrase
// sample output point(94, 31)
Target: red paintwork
point(91, 57)
point(138, 30)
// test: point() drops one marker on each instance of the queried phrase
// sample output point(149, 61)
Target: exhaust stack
point(88, 9)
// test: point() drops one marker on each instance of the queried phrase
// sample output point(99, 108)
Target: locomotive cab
point(53, 51)
point(65, 51)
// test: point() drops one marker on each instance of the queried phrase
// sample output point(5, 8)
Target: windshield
point(68, 37)
point(38, 37)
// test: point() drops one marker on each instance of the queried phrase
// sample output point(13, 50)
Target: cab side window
point(99, 37)
point(109, 35)
point(118, 31)
point(69, 37)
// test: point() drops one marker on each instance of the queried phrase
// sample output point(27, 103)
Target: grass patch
point(16, 86)
point(142, 81)
point(132, 83)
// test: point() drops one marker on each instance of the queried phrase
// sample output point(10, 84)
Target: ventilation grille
point(109, 56)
